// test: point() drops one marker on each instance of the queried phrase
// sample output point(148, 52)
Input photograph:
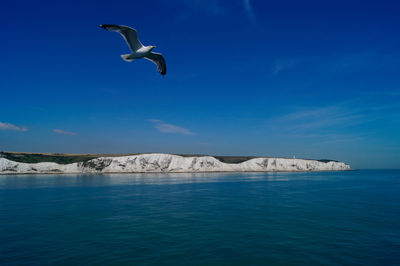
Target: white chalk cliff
point(167, 163)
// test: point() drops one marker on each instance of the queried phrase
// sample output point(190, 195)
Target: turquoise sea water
point(325, 218)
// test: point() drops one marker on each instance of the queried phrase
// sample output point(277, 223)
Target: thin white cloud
point(340, 139)
point(320, 125)
point(248, 7)
point(170, 128)
point(8, 126)
point(329, 117)
point(282, 65)
point(340, 123)
point(212, 7)
point(209, 7)
point(155, 120)
point(338, 63)
point(62, 132)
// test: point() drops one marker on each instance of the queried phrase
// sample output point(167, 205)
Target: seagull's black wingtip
point(106, 26)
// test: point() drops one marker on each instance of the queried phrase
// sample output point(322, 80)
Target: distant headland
point(43, 163)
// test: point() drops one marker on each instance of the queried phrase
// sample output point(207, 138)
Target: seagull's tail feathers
point(126, 57)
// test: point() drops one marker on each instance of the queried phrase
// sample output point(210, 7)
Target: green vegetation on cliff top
point(64, 158)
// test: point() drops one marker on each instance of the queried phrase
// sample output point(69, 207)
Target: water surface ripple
point(201, 219)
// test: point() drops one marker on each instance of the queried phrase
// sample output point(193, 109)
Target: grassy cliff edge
point(67, 158)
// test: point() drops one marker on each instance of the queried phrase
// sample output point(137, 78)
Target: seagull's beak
point(154, 47)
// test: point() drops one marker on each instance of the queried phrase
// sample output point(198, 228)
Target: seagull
point(137, 48)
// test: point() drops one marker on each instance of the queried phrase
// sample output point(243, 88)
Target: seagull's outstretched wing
point(129, 34)
point(159, 60)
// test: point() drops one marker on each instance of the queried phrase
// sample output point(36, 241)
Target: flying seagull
point(137, 48)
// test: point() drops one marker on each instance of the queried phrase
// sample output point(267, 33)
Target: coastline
point(149, 173)
point(167, 163)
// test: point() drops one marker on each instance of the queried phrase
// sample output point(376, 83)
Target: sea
point(310, 218)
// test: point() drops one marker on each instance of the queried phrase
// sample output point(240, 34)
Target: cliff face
point(160, 163)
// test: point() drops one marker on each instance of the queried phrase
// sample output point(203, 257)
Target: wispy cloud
point(205, 143)
point(282, 65)
point(340, 139)
point(170, 128)
point(338, 63)
point(212, 7)
point(209, 7)
point(391, 93)
point(62, 132)
point(155, 120)
point(343, 122)
point(248, 7)
point(8, 126)
point(321, 117)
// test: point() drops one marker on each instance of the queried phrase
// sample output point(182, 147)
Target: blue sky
point(311, 79)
